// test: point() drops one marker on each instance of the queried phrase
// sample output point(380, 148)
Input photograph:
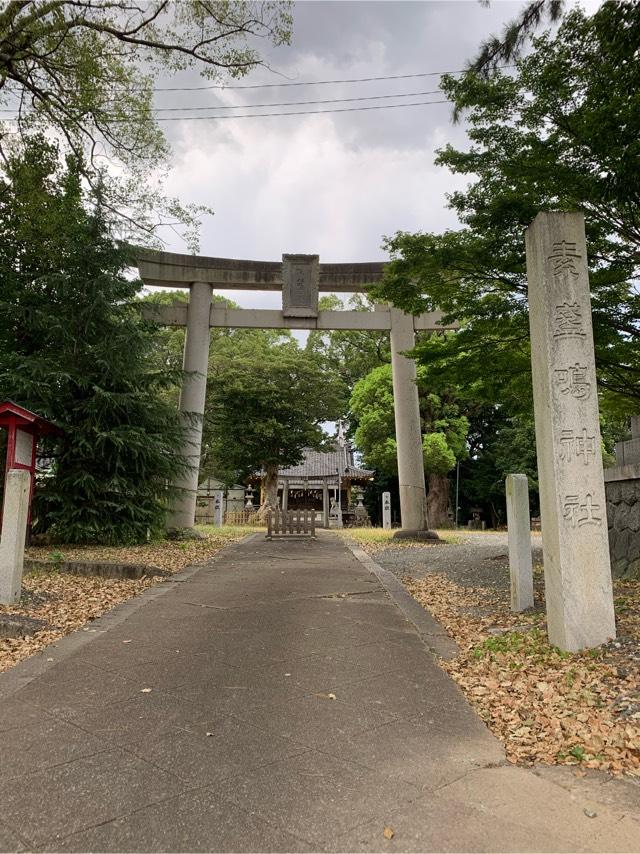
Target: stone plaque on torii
point(300, 278)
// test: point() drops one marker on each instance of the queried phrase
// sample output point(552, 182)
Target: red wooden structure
point(24, 429)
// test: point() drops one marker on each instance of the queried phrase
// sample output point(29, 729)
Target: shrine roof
point(13, 413)
point(319, 464)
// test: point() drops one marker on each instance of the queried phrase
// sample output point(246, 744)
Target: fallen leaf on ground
point(546, 706)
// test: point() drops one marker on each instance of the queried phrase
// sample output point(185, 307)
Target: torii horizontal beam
point(259, 318)
point(174, 270)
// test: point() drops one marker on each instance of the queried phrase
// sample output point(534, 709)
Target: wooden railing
point(242, 517)
point(294, 523)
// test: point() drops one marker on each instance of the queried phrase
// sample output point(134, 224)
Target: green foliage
point(351, 354)
point(496, 50)
point(561, 132)
point(444, 428)
point(266, 401)
point(73, 349)
point(578, 752)
point(85, 72)
point(371, 405)
point(438, 456)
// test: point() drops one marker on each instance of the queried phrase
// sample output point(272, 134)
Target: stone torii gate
point(300, 278)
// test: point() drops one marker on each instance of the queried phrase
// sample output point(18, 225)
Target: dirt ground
point(547, 706)
point(473, 559)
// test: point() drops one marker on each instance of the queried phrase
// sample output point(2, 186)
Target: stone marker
point(218, 496)
point(519, 526)
point(386, 511)
point(15, 513)
point(572, 499)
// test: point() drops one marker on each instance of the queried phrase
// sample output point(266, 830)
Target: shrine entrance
point(300, 278)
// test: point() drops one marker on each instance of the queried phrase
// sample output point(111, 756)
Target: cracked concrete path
point(283, 697)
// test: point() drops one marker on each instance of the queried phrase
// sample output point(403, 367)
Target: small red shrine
point(24, 429)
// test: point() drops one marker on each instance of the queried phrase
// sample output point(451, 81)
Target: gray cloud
point(332, 184)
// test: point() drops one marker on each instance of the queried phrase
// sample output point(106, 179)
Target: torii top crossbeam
point(173, 270)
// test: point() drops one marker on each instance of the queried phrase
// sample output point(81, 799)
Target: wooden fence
point(242, 517)
point(291, 523)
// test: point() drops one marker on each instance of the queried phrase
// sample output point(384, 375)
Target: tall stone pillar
point(572, 499)
point(192, 397)
point(413, 500)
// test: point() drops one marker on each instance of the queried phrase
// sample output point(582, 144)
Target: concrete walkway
point(275, 699)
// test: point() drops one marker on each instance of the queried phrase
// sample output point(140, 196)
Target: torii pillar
point(406, 405)
point(192, 398)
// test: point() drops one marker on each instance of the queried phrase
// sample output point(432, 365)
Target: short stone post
point(386, 511)
point(218, 497)
point(15, 513)
point(325, 503)
point(572, 499)
point(519, 527)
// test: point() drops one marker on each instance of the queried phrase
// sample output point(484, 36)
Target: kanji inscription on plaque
point(300, 275)
point(24, 448)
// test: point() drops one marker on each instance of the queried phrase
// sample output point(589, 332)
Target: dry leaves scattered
point(68, 602)
point(545, 705)
point(169, 555)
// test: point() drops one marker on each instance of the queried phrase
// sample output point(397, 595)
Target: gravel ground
point(477, 559)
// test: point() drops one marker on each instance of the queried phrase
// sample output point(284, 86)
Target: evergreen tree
point(74, 349)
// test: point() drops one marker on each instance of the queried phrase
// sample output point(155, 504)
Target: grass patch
point(375, 539)
point(230, 533)
point(530, 645)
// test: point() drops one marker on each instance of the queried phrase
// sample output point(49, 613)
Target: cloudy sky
point(331, 184)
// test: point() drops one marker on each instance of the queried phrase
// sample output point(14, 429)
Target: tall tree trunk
point(438, 501)
point(270, 488)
